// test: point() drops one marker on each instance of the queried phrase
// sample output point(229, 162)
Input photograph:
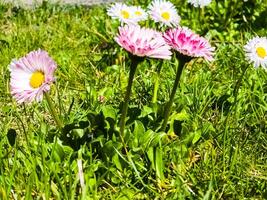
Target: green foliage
point(216, 140)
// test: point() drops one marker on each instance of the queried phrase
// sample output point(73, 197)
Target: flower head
point(256, 51)
point(188, 43)
point(199, 3)
point(122, 12)
point(143, 42)
point(138, 13)
point(31, 76)
point(164, 12)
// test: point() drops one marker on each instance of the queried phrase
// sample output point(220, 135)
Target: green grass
point(216, 144)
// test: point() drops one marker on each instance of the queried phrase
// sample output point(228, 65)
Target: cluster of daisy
point(146, 42)
point(160, 11)
point(151, 43)
point(32, 75)
point(127, 14)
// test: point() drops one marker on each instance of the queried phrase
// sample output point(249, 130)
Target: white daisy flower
point(256, 51)
point(199, 3)
point(138, 13)
point(164, 12)
point(122, 12)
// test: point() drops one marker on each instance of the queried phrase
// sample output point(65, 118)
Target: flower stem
point(182, 61)
point(156, 84)
point(53, 111)
point(134, 62)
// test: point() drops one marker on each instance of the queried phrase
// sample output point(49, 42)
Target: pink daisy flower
point(188, 43)
point(31, 76)
point(143, 42)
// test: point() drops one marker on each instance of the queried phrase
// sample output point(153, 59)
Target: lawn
point(215, 143)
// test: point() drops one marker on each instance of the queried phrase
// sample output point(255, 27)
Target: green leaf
point(181, 116)
point(146, 111)
point(138, 132)
point(146, 138)
point(157, 138)
point(78, 132)
point(58, 153)
point(139, 128)
point(150, 155)
point(116, 161)
point(110, 148)
point(109, 112)
point(159, 165)
point(197, 136)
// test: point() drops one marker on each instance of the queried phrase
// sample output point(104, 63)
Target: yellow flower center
point(138, 13)
point(125, 14)
point(37, 79)
point(166, 15)
point(261, 52)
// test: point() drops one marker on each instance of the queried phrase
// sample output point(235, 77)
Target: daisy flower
point(199, 3)
point(256, 51)
point(143, 42)
point(138, 13)
point(140, 42)
point(188, 43)
point(31, 76)
point(122, 12)
point(164, 12)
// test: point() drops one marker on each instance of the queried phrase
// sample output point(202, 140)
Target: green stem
point(182, 61)
point(156, 88)
point(134, 62)
point(53, 111)
point(156, 84)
